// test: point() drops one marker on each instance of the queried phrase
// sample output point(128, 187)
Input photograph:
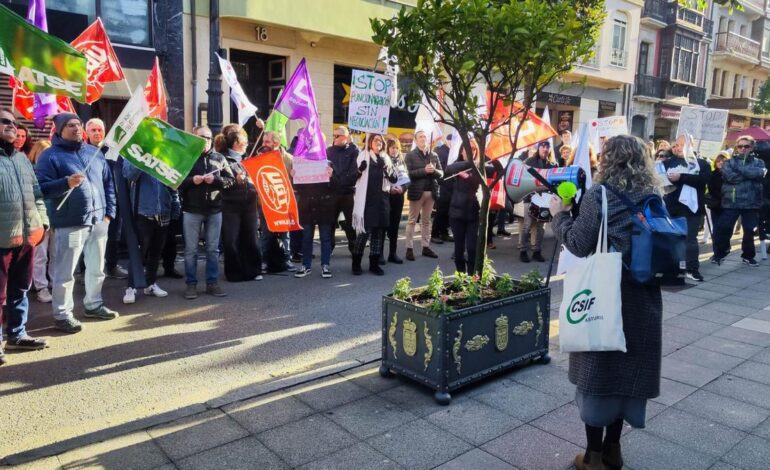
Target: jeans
point(531, 229)
point(265, 235)
point(466, 235)
point(243, 259)
point(725, 227)
point(192, 234)
point(422, 208)
point(15, 279)
point(325, 233)
point(152, 238)
point(42, 268)
point(693, 226)
point(69, 244)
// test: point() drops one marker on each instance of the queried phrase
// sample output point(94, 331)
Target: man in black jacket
point(201, 193)
point(425, 172)
point(676, 160)
point(440, 232)
point(342, 156)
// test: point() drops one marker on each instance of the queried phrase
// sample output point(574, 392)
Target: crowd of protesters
point(52, 239)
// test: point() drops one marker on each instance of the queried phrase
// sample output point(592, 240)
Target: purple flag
point(44, 104)
point(297, 101)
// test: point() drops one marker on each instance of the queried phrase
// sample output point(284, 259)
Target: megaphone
point(519, 183)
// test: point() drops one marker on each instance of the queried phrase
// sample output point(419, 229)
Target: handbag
point(590, 316)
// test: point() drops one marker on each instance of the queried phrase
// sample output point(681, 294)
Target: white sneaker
point(155, 291)
point(44, 296)
point(763, 249)
point(130, 296)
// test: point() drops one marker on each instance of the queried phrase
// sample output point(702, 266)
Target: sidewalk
point(713, 413)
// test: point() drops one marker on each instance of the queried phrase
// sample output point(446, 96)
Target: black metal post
point(168, 43)
point(214, 91)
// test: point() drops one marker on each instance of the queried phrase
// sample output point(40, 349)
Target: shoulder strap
point(624, 199)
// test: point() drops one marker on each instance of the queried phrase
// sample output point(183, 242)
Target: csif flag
point(102, 62)
point(276, 194)
point(155, 93)
point(245, 108)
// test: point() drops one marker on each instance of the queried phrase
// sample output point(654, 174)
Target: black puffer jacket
point(315, 203)
point(421, 181)
point(206, 198)
point(343, 162)
point(240, 194)
point(465, 203)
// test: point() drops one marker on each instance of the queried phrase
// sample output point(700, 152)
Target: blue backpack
point(658, 242)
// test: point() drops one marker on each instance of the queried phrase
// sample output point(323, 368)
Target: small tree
point(512, 48)
point(762, 106)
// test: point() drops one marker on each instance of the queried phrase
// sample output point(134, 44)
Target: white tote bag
point(590, 317)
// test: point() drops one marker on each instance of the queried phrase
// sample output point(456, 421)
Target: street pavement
point(232, 369)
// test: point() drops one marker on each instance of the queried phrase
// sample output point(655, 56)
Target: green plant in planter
point(487, 273)
point(460, 281)
point(435, 286)
point(504, 284)
point(439, 305)
point(402, 290)
point(473, 291)
point(533, 280)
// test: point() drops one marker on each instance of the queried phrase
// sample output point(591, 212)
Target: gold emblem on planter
point(476, 343)
point(428, 345)
point(539, 325)
point(409, 336)
point(456, 349)
point(501, 333)
point(392, 334)
point(523, 328)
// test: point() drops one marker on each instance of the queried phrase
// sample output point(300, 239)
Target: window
point(723, 83)
point(644, 53)
point(685, 60)
point(127, 21)
point(715, 82)
point(754, 88)
point(742, 30)
point(619, 34)
point(736, 83)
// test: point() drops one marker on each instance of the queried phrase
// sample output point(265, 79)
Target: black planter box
point(450, 350)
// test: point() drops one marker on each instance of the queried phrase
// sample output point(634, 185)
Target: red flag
point(102, 63)
point(155, 93)
point(533, 130)
point(268, 173)
point(24, 100)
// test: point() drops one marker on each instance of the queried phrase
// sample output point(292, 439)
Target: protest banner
point(533, 130)
point(707, 126)
point(276, 122)
point(310, 171)
point(102, 63)
point(42, 62)
point(604, 128)
point(126, 124)
point(369, 109)
point(155, 93)
point(276, 194)
point(245, 108)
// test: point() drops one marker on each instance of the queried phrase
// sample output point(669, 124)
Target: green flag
point(163, 151)
point(276, 122)
point(44, 63)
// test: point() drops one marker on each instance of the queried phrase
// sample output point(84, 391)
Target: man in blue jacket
point(82, 223)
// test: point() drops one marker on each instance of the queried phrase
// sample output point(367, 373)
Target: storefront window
point(127, 21)
point(685, 62)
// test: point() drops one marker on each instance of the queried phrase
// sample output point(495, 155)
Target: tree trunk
point(481, 243)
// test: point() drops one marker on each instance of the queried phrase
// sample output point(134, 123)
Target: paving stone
point(726, 346)
point(714, 287)
point(360, 456)
point(695, 324)
point(756, 371)
point(764, 315)
point(755, 293)
point(530, 448)
point(415, 399)
point(476, 458)
point(135, 451)
point(741, 389)
point(564, 422)
point(645, 451)
point(744, 336)
point(672, 391)
point(694, 432)
point(473, 421)
point(714, 316)
point(762, 356)
point(369, 416)
point(753, 453)
point(685, 372)
point(746, 301)
point(681, 335)
point(732, 308)
point(723, 466)
point(703, 293)
point(685, 299)
point(724, 410)
point(753, 324)
point(307, 439)
point(668, 347)
point(370, 379)
point(706, 358)
point(763, 430)
point(546, 379)
point(522, 402)
point(46, 463)
point(675, 307)
point(263, 413)
point(197, 433)
point(243, 454)
point(419, 444)
point(331, 393)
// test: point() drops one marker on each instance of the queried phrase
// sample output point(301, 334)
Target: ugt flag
point(102, 63)
point(43, 63)
point(155, 93)
point(24, 100)
point(275, 191)
point(533, 130)
point(245, 108)
point(297, 101)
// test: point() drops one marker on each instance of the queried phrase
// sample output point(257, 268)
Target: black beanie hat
point(61, 119)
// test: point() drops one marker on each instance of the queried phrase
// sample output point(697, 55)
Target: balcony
point(648, 86)
point(690, 19)
point(619, 57)
point(742, 104)
point(753, 7)
point(737, 46)
point(655, 13)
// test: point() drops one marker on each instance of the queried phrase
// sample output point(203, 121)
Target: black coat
point(464, 204)
point(377, 211)
point(315, 203)
point(421, 181)
point(206, 198)
point(446, 185)
point(699, 182)
point(714, 194)
point(239, 194)
point(343, 162)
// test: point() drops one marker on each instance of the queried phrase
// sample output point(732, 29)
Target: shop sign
point(669, 113)
point(556, 98)
point(607, 106)
point(566, 119)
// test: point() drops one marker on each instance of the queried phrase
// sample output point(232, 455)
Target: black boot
point(537, 256)
point(393, 258)
point(357, 264)
point(374, 266)
point(382, 260)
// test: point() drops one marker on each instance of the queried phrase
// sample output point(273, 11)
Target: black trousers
point(693, 226)
point(764, 223)
point(112, 251)
point(441, 219)
point(726, 226)
point(394, 223)
point(377, 235)
point(152, 238)
point(344, 203)
point(240, 243)
point(466, 234)
point(169, 249)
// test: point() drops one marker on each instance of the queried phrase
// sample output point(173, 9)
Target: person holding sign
point(81, 223)
point(425, 172)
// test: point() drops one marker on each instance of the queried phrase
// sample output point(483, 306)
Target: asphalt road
point(164, 355)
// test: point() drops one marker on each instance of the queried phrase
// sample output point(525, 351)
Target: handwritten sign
point(703, 124)
point(369, 102)
point(310, 171)
point(604, 128)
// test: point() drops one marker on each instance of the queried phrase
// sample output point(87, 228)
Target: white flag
point(547, 120)
point(245, 108)
point(582, 156)
point(124, 127)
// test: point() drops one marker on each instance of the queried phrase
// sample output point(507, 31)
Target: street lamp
point(214, 91)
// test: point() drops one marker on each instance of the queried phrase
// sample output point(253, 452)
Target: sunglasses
point(743, 146)
point(8, 122)
point(339, 135)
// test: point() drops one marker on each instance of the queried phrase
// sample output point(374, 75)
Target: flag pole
point(262, 131)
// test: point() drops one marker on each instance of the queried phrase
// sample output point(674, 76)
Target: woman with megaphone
point(465, 205)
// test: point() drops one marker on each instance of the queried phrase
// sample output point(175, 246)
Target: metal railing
point(736, 44)
point(618, 57)
point(656, 9)
point(646, 85)
point(689, 17)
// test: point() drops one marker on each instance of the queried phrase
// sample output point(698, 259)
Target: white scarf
point(362, 185)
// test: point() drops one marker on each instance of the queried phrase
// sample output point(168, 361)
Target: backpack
point(658, 242)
